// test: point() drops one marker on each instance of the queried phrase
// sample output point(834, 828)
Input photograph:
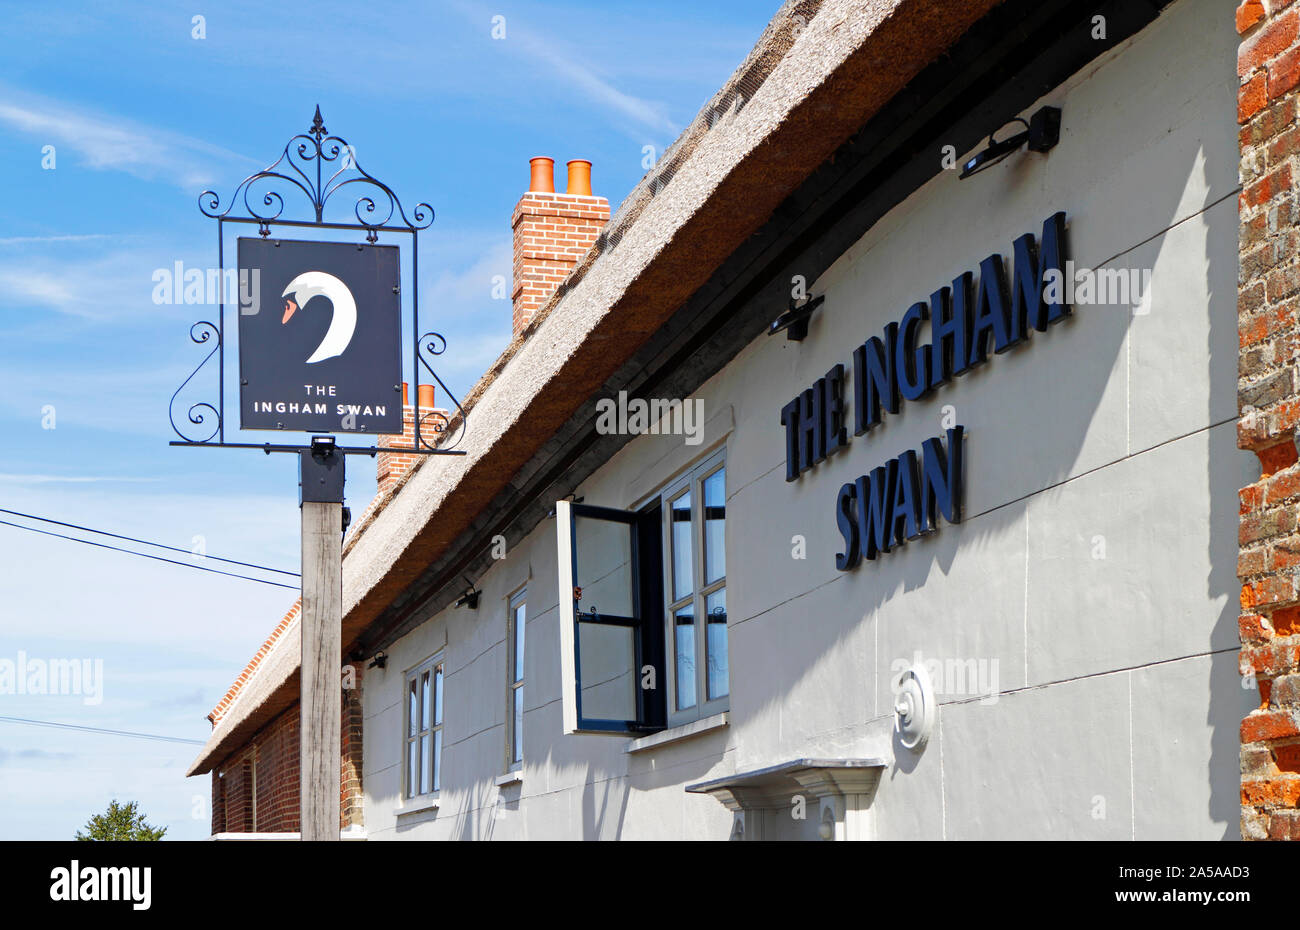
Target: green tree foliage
point(120, 822)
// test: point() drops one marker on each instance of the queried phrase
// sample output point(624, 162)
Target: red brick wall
point(236, 800)
point(274, 754)
point(218, 802)
point(551, 233)
point(278, 757)
point(1268, 66)
point(350, 796)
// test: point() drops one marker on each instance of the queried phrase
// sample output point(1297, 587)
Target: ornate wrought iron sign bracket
point(315, 165)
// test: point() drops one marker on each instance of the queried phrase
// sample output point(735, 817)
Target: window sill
point(417, 805)
point(677, 734)
point(510, 778)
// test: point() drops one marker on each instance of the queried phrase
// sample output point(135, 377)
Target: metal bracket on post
point(320, 472)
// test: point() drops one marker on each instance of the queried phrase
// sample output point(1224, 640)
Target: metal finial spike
point(318, 125)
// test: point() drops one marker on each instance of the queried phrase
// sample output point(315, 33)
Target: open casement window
point(610, 615)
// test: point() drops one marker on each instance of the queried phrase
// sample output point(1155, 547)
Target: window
point(424, 728)
point(644, 630)
point(696, 585)
point(516, 620)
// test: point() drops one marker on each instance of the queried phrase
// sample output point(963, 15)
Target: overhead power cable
point(144, 542)
point(146, 555)
point(25, 721)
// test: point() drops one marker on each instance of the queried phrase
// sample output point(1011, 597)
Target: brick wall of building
point(1268, 395)
point(264, 773)
point(351, 801)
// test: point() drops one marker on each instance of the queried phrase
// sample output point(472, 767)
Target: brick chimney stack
point(551, 233)
point(390, 467)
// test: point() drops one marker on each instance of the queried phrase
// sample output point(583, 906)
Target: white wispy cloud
point(46, 289)
point(42, 240)
point(69, 479)
point(643, 114)
point(467, 287)
point(568, 63)
point(112, 281)
point(109, 143)
point(98, 289)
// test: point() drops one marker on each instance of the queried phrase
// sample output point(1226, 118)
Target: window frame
point(434, 665)
point(691, 480)
point(514, 603)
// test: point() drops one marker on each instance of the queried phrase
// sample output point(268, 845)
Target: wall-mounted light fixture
point(794, 322)
point(469, 599)
point(1041, 134)
point(914, 708)
point(379, 661)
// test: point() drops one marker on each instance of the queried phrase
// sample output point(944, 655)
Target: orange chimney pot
point(541, 175)
point(426, 396)
point(579, 177)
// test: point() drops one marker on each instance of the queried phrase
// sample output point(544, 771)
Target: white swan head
point(343, 324)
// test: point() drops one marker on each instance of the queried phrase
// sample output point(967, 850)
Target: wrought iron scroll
point(317, 165)
point(201, 332)
point(433, 344)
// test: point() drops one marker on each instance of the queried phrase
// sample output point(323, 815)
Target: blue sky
point(143, 116)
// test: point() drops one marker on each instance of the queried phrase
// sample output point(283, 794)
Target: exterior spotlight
point(379, 661)
point(1041, 133)
point(469, 599)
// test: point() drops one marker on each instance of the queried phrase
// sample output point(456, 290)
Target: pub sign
point(319, 337)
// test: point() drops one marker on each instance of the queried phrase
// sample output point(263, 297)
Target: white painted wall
point(1117, 700)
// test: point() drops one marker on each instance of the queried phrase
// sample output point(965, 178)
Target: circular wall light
point(914, 708)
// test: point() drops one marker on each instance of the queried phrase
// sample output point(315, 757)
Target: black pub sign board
point(319, 337)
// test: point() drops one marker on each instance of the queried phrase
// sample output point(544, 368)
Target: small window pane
point(609, 680)
point(680, 528)
point(518, 748)
point(715, 512)
point(520, 615)
point(715, 606)
point(412, 768)
point(426, 764)
point(412, 710)
point(603, 566)
point(425, 695)
point(437, 760)
point(437, 696)
point(684, 651)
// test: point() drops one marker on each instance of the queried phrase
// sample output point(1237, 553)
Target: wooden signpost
point(320, 326)
point(320, 714)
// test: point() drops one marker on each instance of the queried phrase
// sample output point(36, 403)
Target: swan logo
point(343, 324)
